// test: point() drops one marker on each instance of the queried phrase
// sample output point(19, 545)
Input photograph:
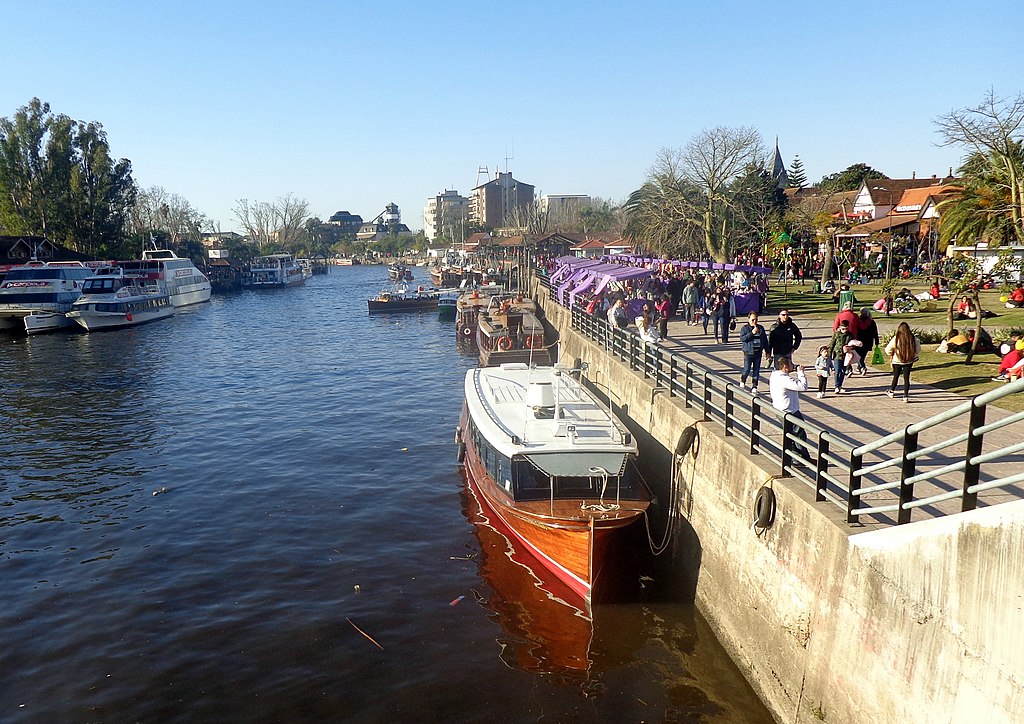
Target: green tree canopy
point(796, 173)
point(850, 178)
point(57, 179)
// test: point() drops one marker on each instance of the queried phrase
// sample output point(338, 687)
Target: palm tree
point(984, 210)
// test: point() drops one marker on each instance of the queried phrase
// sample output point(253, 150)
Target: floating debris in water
point(456, 600)
point(356, 588)
point(405, 449)
point(368, 636)
point(470, 557)
point(162, 490)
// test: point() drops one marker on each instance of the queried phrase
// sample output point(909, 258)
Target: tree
point(849, 179)
point(758, 208)
point(170, 218)
point(992, 131)
point(797, 175)
point(57, 179)
point(689, 196)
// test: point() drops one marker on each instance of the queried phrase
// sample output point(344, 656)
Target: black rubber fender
point(689, 439)
point(764, 508)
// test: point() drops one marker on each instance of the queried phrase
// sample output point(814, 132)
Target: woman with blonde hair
point(904, 349)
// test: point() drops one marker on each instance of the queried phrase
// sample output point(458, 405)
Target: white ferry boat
point(274, 270)
point(112, 299)
point(37, 296)
point(177, 277)
point(553, 468)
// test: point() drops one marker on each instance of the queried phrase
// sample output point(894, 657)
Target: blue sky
point(352, 105)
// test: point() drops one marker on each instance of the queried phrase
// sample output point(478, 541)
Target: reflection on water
point(544, 631)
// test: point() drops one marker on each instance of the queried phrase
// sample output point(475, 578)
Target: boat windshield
point(33, 274)
point(534, 483)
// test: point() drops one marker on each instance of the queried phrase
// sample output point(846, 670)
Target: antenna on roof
point(481, 170)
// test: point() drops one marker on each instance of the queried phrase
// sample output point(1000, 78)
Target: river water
point(252, 512)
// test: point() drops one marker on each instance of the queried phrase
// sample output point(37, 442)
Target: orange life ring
point(504, 343)
point(534, 341)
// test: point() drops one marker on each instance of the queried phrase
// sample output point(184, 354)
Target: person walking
point(823, 369)
point(721, 316)
point(691, 295)
point(868, 336)
point(755, 341)
point(838, 348)
point(664, 308)
point(904, 349)
point(785, 337)
point(785, 391)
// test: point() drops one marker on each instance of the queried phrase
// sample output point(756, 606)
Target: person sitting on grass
point(1016, 298)
point(1010, 360)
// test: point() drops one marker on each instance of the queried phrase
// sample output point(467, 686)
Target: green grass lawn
point(947, 371)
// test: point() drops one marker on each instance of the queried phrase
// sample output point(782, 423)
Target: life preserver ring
point(534, 341)
point(504, 343)
point(467, 331)
point(764, 508)
point(128, 316)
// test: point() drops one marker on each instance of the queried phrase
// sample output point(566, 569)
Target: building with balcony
point(493, 205)
point(445, 215)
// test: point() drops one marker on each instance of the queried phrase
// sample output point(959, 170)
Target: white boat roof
point(501, 401)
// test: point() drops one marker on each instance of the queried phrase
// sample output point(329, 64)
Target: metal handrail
point(825, 459)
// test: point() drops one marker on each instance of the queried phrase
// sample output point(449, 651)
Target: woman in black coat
point(867, 333)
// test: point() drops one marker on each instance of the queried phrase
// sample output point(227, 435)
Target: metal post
point(851, 500)
point(973, 472)
point(672, 374)
point(755, 426)
point(787, 446)
point(820, 484)
point(907, 470)
point(730, 395)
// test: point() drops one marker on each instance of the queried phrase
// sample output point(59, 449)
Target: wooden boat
point(509, 330)
point(403, 298)
point(547, 628)
point(468, 307)
point(553, 468)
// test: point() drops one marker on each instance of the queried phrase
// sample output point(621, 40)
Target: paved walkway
point(866, 413)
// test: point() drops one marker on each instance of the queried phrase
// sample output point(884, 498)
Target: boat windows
point(532, 483)
point(29, 297)
point(32, 274)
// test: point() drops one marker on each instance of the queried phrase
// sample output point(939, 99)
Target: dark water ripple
point(306, 449)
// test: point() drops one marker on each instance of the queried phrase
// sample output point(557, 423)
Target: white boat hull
point(46, 322)
point(93, 321)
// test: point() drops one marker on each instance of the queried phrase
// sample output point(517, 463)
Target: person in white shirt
point(785, 391)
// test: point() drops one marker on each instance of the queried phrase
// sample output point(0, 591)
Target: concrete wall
point(920, 623)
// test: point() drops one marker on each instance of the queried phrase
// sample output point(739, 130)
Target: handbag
point(876, 357)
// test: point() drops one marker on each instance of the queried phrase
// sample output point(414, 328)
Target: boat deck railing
point(881, 480)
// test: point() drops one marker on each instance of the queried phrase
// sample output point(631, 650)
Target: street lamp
point(888, 252)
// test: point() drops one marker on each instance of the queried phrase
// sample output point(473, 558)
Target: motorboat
point(37, 296)
point(306, 265)
point(509, 330)
point(553, 468)
point(547, 629)
point(468, 307)
point(399, 273)
point(447, 302)
point(112, 299)
point(274, 270)
point(177, 277)
point(402, 297)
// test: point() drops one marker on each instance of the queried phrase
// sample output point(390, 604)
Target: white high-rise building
point(445, 215)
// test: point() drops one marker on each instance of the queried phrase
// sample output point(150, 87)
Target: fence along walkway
point(950, 455)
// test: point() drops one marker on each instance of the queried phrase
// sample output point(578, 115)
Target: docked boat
point(274, 270)
point(447, 302)
point(403, 298)
point(547, 628)
point(468, 307)
point(37, 296)
point(177, 277)
point(306, 265)
point(509, 330)
point(112, 299)
point(553, 468)
point(399, 273)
